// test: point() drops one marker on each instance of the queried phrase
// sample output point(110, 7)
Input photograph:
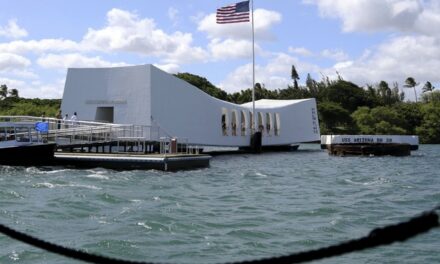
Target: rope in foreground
point(381, 236)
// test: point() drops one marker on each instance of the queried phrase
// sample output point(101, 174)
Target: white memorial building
point(146, 95)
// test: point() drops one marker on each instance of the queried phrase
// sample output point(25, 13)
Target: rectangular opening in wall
point(104, 114)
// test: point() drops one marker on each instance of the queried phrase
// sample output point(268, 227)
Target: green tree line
point(11, 104)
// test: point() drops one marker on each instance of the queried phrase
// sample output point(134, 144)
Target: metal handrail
point(70, 132)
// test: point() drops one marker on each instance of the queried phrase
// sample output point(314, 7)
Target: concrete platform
point(168, 162)
point(370, 145)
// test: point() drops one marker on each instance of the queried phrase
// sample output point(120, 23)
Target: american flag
point(235, 13)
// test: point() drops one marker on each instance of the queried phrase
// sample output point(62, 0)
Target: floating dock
point(165, 162)
point(369, 145)
point(92, 144)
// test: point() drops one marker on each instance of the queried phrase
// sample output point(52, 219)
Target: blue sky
point(366, 41)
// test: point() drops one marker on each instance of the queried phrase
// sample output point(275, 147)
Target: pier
point(115, 146)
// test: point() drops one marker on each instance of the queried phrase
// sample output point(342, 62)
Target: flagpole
point(253, 70)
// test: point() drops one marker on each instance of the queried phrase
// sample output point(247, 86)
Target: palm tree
point(13, 93)
point(410, 82)
point(295, 77)
point(3, 91)
point(428, 87)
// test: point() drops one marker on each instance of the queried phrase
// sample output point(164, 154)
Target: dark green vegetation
point(12, 104)
point(343, 107)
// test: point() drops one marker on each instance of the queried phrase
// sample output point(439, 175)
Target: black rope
point(67, 252)
point(378, 237)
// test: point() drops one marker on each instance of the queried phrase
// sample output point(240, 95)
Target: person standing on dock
point(66, 117)
point(59, 117)
point(74, 119)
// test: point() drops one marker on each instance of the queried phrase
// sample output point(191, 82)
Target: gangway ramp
point(69, 135)
point(114, 146)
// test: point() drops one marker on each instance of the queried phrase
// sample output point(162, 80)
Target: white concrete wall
point(296, 123)
point(186, 112)
point(145, 95)
point(127, 89)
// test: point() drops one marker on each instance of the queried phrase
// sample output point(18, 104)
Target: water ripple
point(243, 207)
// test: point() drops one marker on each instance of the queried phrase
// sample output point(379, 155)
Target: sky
point(364, 41)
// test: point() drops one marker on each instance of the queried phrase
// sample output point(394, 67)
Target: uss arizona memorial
point(145, 95)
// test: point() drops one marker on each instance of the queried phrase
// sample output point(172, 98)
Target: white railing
point(69, 132)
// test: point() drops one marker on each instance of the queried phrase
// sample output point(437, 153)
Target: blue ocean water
point(243, 207)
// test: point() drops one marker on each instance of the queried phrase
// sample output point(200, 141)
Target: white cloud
point(9, 61)
point(378, 15)
point(231, 49)
point(414, 52)
point(337, 55)
point(264, 21)
point(12, 30)
point(126, 32)
point(239, 79)
point(40, 46)
point(274, 75)
point(21, 73)
point(429, 21)
point(170, 68)
point(36, 89)
point(301, 51)
point(73, 60)
point(173, 15)
point(20, 85)
point(394, 61)
point(50, 91)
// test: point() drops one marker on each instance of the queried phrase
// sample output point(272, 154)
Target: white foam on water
point(46, 170)
point(32, 170)
point(261, 174)
point(377, 181)
point(14, 256)
point(144, 225)
point(15, 194)
point(92, 187)
point(98, 176)
point(53, 171)
point(44, 185)
point(51, 185)
point(125, 210)
point(97, 171)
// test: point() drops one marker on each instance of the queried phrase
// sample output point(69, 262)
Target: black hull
point(31, 155)
point(280, 148)
point(369, 149)
point(138, 162)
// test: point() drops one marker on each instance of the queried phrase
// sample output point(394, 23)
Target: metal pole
point(253, 70)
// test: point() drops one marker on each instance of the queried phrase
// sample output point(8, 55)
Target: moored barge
point(369, 145)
